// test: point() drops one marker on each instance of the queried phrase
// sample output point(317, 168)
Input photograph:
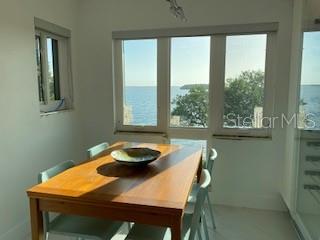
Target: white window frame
point(219, 87)
point(216, 83)
point(119, 103)
point(46, 30)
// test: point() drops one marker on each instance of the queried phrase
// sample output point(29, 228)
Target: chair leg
point(199, 234)
point(129, 226)
point(211, 211)
point(205, 227)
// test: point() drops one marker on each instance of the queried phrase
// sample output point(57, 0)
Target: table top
point(164, 183)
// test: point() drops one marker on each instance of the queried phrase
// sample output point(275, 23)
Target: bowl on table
point(135, 156)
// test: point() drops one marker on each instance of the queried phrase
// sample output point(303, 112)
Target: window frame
point(176, 129)
point(45, 30)
point(119, 86)
point(219, 88)
point(216, 79)
point(307, 28)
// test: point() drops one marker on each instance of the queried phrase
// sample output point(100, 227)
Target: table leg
point(36, 220)
point(176, 229)
point(199, 170)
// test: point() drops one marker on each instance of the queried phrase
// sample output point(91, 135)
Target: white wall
point(311, 11)
point(29, 143)
point(249, 172)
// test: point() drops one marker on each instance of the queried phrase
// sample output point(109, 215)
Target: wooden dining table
point(155, 194)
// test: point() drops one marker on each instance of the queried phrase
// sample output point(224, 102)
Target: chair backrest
point(212, 157)
point(94, 151)
point(196, 218)
point(51, 172)
point(46, 175)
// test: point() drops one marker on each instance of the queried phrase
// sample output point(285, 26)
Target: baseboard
point(299, 226)
point(301, 230)
point(264, 202)
point(19, 232)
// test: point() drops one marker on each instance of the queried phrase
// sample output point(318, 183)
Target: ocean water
point(143, 102)
point(310, 95)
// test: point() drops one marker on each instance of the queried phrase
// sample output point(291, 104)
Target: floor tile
point(235, 223)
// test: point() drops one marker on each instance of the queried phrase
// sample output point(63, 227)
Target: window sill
point(117, 132)
point(44, 114)
point(238, 138)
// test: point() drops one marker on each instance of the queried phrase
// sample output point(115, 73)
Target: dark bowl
point(135, 156)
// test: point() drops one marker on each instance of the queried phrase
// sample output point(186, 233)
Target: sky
point(245, 52)
point(190, 59)
point(310, 73)
point(50, 56)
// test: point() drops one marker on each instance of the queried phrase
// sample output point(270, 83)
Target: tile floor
point(240, 224)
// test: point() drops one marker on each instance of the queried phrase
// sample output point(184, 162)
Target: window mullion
point(269, 76)
point(217, 72)
point(163, 78)
point(118, 83)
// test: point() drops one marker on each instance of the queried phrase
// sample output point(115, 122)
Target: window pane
point(190, 62)
point(310, 82)
point(244, 81)
point(140, 82)
point(53, 69)
point(39, 69)
point(191, 142)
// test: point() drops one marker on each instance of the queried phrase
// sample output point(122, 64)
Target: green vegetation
point(192, 107)
point(242, 94)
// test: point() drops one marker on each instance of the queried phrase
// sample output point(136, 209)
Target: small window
point(244, 81)
point(53, 70)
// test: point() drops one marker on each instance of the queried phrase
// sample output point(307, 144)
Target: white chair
point(96, 150)
point(193, 195)
point(191, 222)
point(75, 226)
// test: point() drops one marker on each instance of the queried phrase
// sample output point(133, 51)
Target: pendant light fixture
point(177, 10)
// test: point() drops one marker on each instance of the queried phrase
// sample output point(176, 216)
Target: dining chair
point(193, 195)
point(75, 226)
point(191, 225)
point(96, 150)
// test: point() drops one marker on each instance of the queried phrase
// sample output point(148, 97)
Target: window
point(310, 82)
point(188, 87)
point(53, 67)
point(140, 82)
point(190, 64)
point(244, 81)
